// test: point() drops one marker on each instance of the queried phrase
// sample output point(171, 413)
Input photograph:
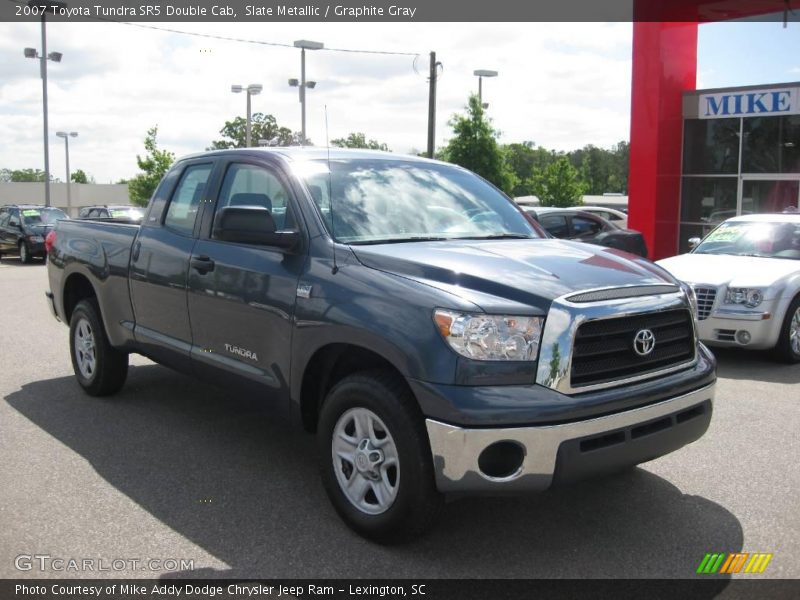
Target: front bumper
point(565, 452)
point(723, 327)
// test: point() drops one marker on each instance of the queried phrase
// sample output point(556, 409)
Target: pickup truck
point(403, 310)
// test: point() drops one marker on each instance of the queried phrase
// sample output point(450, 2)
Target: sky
point(561, 86)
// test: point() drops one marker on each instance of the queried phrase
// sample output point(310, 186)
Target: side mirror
point(694, 242)
point(13, 223)
point(252, 225)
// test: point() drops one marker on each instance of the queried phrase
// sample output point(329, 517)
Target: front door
point(242, 296)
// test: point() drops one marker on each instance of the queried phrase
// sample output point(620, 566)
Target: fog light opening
point(743, 337)
point(501, 460)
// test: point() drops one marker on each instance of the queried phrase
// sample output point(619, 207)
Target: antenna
point(330, 193)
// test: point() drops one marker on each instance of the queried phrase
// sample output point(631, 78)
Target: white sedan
point(746, 277)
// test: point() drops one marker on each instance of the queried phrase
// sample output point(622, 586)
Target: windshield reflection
point(391, 201)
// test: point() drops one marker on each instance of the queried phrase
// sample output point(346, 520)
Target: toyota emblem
point(643, 342)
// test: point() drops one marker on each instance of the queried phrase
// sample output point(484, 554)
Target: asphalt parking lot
point(173, 469)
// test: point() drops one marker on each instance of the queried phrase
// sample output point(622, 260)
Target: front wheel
point(788, 347)
point(375, 458)
point(100, 368)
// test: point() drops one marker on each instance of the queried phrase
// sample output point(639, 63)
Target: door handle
point(202, 264)
point(136, 248)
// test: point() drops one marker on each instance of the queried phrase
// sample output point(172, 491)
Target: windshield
point(754, 238)
point(42, 216)
point(381, 201)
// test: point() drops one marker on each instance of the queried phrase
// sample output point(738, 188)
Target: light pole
point(43, 58)
point(480, 74)
point(303, 84)
point(66, 136)
point(254, 89)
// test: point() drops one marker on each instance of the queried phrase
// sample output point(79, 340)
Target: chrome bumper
point(456, 450)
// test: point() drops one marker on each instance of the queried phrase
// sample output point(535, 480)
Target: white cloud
point(561, 85)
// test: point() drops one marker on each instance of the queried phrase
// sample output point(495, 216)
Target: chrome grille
point(705, 301)
point(603, 349)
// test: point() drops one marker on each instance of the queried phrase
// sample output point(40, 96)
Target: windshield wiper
point(420, 238)
point(497, 236)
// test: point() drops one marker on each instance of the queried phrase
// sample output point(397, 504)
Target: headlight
point(490, 337)
point(750, 297)
point(692, 297)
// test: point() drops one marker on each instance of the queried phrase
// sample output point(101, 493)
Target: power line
point(260, 42)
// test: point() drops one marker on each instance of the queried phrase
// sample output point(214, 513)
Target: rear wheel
point(788, 347)
point(375, 459)
point(100, 368)
point(24, 254)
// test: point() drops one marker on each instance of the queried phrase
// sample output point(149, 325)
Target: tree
point(474, 147)
point(359, 140)
point(262, 127)
point(23, 175)
point(154, 166)
point(80, 177)
point(524, 160)
point(558, 184)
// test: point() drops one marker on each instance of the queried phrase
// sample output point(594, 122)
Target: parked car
point(431, 350)
point(23, 228)
point(573, 224)
point(612, 215)
point(121, 212)
point(746, 275)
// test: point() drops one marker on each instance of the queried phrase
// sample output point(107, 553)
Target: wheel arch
point(328, 365)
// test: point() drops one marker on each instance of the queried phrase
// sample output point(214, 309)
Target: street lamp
point(66, 136)
point(43, 58)
point(303, 84)
point(480, 74)
point(254, 89)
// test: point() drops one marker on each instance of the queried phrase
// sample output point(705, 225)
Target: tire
point(393, 497)
point(24, 254)
point(100, 368)
point(788, 347)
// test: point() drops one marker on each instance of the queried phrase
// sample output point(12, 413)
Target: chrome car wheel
point(365, 461)
point(794, 332)
point(85, 352)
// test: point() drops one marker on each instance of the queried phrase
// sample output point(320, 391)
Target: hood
point(509, 273)
point(726, 269)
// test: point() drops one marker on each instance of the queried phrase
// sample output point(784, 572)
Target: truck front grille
point(604, 349)
point(705, 301)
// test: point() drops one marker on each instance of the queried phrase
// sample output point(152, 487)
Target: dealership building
point(701, 156)
point(741, 155)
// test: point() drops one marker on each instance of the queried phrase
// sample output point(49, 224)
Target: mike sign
point(750, 103)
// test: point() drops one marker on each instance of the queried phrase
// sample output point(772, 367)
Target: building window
point(708, 199)
point(711, 146)
point(771, 145)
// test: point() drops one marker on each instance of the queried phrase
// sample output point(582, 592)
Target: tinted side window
point(555, 225)
point(4, 218)
point(250, 185)
point(583, 226)
point(182, 210)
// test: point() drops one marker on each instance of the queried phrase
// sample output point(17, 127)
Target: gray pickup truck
point(405, 311)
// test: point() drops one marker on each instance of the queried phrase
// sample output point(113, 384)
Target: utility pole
point(432, 105)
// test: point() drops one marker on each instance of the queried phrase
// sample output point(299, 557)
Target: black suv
point(23, 228)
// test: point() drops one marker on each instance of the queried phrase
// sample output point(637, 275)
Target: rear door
point(242, 296)
point(160, 264)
